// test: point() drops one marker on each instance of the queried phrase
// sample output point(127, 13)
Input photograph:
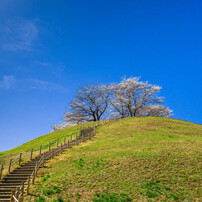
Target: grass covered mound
point(35, 144)
point(140, 159)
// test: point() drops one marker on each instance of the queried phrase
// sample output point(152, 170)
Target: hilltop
point(141, 158)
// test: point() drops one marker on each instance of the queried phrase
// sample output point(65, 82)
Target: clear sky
point(49, 48)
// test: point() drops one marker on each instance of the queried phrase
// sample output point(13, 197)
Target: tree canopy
point(131, 97)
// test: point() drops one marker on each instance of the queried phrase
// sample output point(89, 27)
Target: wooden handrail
point(17, 195)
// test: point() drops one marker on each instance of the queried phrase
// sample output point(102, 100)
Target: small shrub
point(63, 182)
point(126, 197)
point(151, 194)
point(53, 187)
point(78, 196)
point(99, 164)
point(40, 199)
point(45, 178)
point(48, 192)
point(113, 197)
point(97, 194)
point(60, 199)
point(57, 191)
point(167, 188)
point(79, 163)
point(172, 196)
point(153, 189)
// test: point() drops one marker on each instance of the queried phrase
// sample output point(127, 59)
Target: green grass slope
point(138, 159)
point(35, 144)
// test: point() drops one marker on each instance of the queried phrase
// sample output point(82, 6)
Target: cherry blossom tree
point(128, 98)
point(132, 97)
point(90, 103)
point(156, 110)
point(62, 126)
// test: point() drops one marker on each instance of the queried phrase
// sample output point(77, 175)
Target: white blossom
point(132, 97)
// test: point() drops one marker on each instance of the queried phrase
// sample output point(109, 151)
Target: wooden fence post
point(33, 178)
point(61, 148)
point(68, 144)
point(36, 169)
point(52, 153)
point(20, 159)
point(71, 138)
point(76, 141)
point(17, 192)
point(43, 160)
point(64, 140)
point(28, 183)
point(49, 146)
point(20, 199)
point(9, 168)
point(40, 150)
point(12, 194)
point(22, 188)
point(1, 171)
point(57, 142)
point(82, 137)
point(31, 154)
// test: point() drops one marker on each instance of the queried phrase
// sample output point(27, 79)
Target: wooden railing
point(33, 152)
point(81, 136)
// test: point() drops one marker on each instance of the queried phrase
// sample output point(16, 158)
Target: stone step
point(4, 196)
point(23, 175)
point(3, 189)
point(10, 187)
point(28, 164)
point(20, 174)
point(27, 173)
point(14, 179)
point(10, 184)
point(5, 193)
point(24, 169)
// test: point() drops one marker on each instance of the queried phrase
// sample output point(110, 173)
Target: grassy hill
point(139, 159)
point(35, 144)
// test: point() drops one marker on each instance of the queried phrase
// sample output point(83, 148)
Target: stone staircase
point(16, 178)
point(12, 186)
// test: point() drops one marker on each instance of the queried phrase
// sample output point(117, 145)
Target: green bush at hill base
point(138, 159)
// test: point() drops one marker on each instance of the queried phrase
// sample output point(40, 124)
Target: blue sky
point(50, 48)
